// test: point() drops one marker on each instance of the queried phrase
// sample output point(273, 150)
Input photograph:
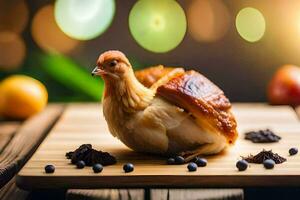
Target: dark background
point(240, 68)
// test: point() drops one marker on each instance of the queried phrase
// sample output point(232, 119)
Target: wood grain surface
point(84, 123)
point(7, 131)
point(21, 140)
point(107, 194)
point(156, 194)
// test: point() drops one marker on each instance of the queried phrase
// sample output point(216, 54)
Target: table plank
point(253, 113)
point(197, 194)
point(25, 141)
point(7, 130)
point(162, 194)
point(107, 194)
point(11, 191)
point(85, 124)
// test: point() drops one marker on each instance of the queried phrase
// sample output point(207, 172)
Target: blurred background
point(237, 44)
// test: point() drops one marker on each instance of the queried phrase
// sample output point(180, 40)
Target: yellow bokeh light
point(250, 24)
point(208, 20)
point(12, 50)
point(46, 33)
point(13, 16)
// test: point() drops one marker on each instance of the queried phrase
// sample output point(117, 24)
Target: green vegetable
point(71, 75)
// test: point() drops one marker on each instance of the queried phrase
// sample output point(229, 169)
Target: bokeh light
point(208, 20)
point(157, 25)
point(84, 20)
point(46, 33)
point(12, 50)
point(13, 15)
point(250, 24)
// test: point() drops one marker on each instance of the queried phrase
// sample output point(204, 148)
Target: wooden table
point(18, 141)
point(79, 119)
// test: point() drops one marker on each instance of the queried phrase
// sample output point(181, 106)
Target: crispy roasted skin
point(203, 99)
point(152, 74)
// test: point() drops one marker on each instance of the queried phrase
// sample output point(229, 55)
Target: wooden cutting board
point(83, 123)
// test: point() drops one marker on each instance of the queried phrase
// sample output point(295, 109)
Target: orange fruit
point(21, 97)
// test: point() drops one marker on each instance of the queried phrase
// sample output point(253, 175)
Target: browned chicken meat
point(152, 74)
point(174, 112)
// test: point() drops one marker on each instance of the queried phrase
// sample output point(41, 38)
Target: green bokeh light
point(84, 19)
point(157, 25)
point(250, 24)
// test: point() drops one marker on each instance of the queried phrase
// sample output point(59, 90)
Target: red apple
point(284, 88)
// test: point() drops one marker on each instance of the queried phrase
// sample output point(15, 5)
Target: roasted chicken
point(175, 112)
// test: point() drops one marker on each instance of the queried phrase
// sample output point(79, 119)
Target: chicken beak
point(97, 71)
point(100, 72)
point(94, 71)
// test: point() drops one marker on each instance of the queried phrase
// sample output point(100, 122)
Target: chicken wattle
point(174, 112)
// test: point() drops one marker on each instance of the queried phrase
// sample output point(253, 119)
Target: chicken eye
point(113, 63)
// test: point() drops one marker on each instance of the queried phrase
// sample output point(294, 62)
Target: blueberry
point(293, 151)
point(128, 167)
point(80, 164)
point(192, 167)
point(201, 162)
point(179, 160)
point(269, 164)
point(97, 168)
point(242, 165)
point(49, 169)
point(171, 161)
